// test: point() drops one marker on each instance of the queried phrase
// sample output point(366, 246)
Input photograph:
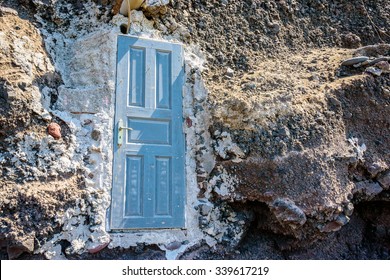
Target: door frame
point(180, 79)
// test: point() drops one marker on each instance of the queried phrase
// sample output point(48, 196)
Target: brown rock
point(15, 249)
point(332, 226)
point(98, 248)
point(287, 212)
point(383, 65)
point(188, 122)
point(54, 130)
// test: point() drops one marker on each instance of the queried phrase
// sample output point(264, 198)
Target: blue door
point(148, 170)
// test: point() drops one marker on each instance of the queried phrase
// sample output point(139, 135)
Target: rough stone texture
point(287, 212)
point(87, 100)
point(285, 145)
point(54, 130)
point(384, 180)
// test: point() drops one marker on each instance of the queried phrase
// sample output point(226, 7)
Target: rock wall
point(282, 140)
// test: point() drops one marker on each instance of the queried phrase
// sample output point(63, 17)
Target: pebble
point(173, 245)
point(205, 209)
point(275, 28)
point(54, 130)
point(348, 210)
point(287, 212)
point(98, 248)
point(96, 135)
point(373, 70)
point(229, 72)
point(354, 60)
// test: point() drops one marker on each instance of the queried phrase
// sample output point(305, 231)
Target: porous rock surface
point(300, 143)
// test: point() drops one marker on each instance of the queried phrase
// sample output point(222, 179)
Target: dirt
point(311, 132)
point(364, 237)
point(300, 119)
point(31, 208)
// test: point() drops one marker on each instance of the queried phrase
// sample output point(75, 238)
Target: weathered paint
point(149, 180)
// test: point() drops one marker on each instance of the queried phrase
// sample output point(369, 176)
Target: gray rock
point(373, 70)
point(229, 72)
point(384, 180)
point(249, 86)
point(173, 245)
point(205, 209)
point(275, 28)
point(96, 135)
point(348, 210)
point(284, 132)
point(375, 61)
point(287, 212)
point(368, 189)
point(203, 222)
point(375, 168)
point(354, 60)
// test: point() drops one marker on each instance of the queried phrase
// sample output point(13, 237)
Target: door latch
point(121, 128)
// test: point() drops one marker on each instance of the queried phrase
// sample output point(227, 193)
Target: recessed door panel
point(148, 171)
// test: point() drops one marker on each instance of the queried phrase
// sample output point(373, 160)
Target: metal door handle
point(120, 132)
point(127, 128)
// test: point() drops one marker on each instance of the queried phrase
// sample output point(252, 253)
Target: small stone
point(367, 188)
point(96, 134)
point(314, 77)
point(46, 116)
point(189, 122)
point(383, 65)
point(87, 122)
point(335, 225)
point(384, 180)
point(284, 132)
point(249, 86)
point(287, 212)
point(173, 245)
point(350, 40)
point(205, 209)
point(347, 115)
point(54, 130)
point(203, 222)
point(98, 248)
point(275, 28)
point(348, 210)
point(229, 72)
point(373, 70)
point(354, 60)
point(332, 226)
